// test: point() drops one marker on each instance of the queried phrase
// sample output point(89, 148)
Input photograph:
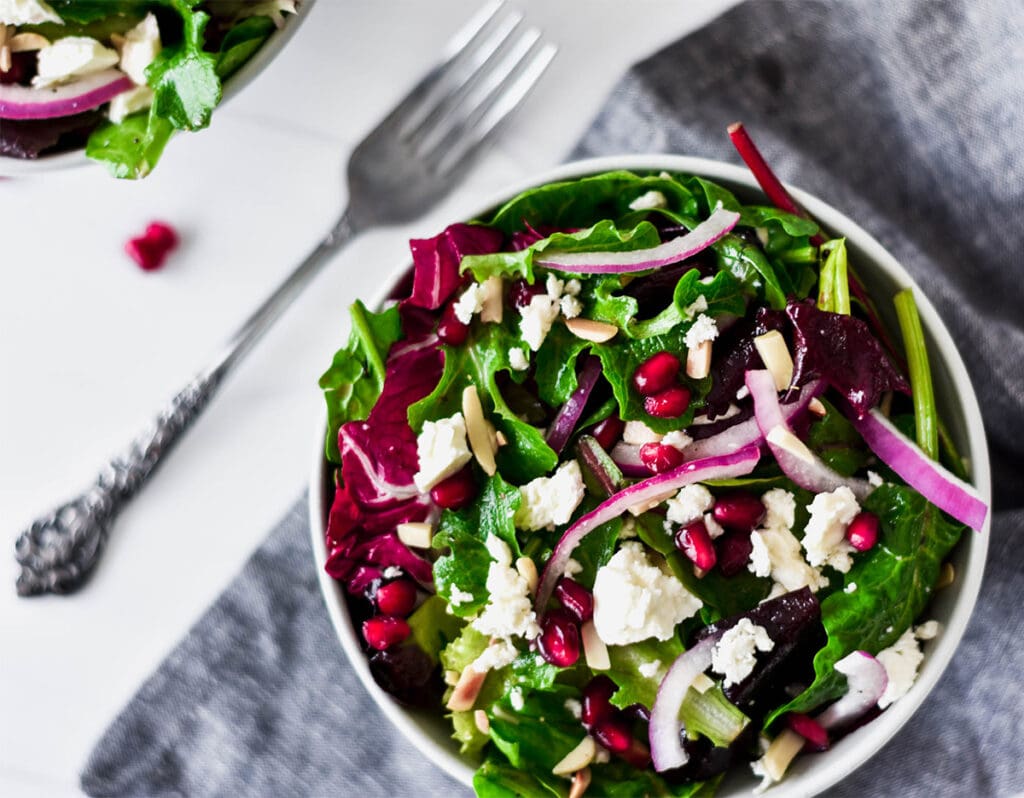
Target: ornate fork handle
point(59, 551)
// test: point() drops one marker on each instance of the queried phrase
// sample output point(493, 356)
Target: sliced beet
point(734, 354)
point(406, 672)
point(707, 760)
point(793, 622)
point(30, 138)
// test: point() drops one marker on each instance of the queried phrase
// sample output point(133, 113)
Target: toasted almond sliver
point(577, 759)
point(466, 690)
point(702, 683)
point(594, 649)
point(782, 437)
point(26, 42)
point(416, 534)
point(492, 302)
point(5, 58)
point(479, 430)
point(483, 723)
point(816, 407)
point(781, 752)
point(580, 782)
point(590, 330)
point(698, 361)
point(776, 358)
point(528, 570)
point(499, 438)
point(947, 576)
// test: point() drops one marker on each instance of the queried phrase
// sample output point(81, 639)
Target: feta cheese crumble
point(571, 307)
point(537, 318)
point(497, 655)
point(572, 567)
point(901, 661)
point(442, 451)
point(649, 201)
point(776, 551)
point(825, 537)
point(650, 670)
point(574, 707)
point(699, 305)
point(734, 654)
point(459, 596)
point(518, 360)
point(703, 329)
point(469, 304)
point(516, 699)
point(677, 438)
point(27, 12)
point(689, 504)
point(634, 599)
point(509, 611)
point(636, 433)
point(72, 57)
point(141, 46)
point(547, 502)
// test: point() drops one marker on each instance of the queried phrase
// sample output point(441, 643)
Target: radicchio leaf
point(841, 350)
point(436, 261)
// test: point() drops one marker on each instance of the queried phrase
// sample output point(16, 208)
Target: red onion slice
point(867, 680)
point(22, 102)
point(565, 422)
point(926, 476)
point(717, 225)
point(798, 462)
point(736, 464)
point(664, 730)
point(627, 458)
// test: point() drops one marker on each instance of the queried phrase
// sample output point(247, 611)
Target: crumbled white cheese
point(470, 303)
point(442, 451)
point(554, 286)
point(677, 439)
point(602, 755)
point(927, 630)
point(628, 530)
point(703, 329)
point(825, 536)
point(901, 661)
point(27, 12)
point(515, 698)
point(573, 287)
point(459, 596)
point(537, 318)
point(72, 57)
point(734, 654)
point(650, 670)
point(572, 567)
point(649, 201)
point(128, 102)
point(699, 305)
point(634, 599)
point(850, 588)
point(636, 433)
point(141, 46)
point(874, 480)
point(547, 502)
point(518, 360)
point(775, 550)
point(392, 572)
point(574, 707)
point(689, 504)
point(571, 307)
point(509, 611)
point(497, 655)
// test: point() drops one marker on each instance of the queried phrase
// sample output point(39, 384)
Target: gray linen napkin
point(907, 116)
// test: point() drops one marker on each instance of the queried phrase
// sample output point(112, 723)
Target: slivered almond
point(577, 759)
point(780, 753)
point(466, 690)
point(26, 42)
point(479, 430)
point(947, 576)
point(483, 723)
point(500, 439)
point(451, 678)
point(528, 570)
point(590, 330)
point(816, 407)
point(5, 58)
point(580, 782)
point(492, 305)
point(782, 437)
point(698, 361)
point(416, 534)
point(594, 649)
point(702, 683)
point(776, 358)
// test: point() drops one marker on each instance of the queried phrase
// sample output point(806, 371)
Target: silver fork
point(414, 157)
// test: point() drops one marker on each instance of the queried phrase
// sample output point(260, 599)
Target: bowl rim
point(238, 80)
point(859, 746)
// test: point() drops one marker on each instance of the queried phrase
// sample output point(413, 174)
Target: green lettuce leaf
point(433, 627)
point(184, 76)
point(634, 687)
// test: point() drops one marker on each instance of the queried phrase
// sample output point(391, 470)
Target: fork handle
point(58, 551)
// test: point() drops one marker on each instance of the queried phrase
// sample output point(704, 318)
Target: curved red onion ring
point(565, 421)
point(21, 102)
point(664, 728)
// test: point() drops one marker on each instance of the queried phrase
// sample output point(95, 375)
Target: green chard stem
point(925, 414)
point(362, 329)
point(834, 284)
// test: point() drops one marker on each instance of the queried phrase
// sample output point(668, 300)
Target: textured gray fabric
point(908, 117)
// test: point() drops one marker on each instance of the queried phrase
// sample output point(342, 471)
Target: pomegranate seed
point(669, 403)
point(521, 292)
point(161, 235)
point(455, 492)
point(559, 640)
point(575, 598)
point(597, 701)
point(614, 734)
point(863, 531)
point(145, 254)
point(656, 374)
point(637, 755)
point(738, 510)
point(694, 541)
point(22, 68)
point(449, 329)
point(638, 712)
point(608, 432)
point(384, 631)
point(733, 551)
point(808, 728)
point(660, 458)
point(396, 598)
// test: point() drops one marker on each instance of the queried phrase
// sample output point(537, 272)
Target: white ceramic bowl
point(958, 405)
point(18, 167)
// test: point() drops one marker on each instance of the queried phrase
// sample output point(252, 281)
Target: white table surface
point(91, 346)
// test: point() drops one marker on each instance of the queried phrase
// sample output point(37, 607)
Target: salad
point(119, 77)
point(634, 489)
